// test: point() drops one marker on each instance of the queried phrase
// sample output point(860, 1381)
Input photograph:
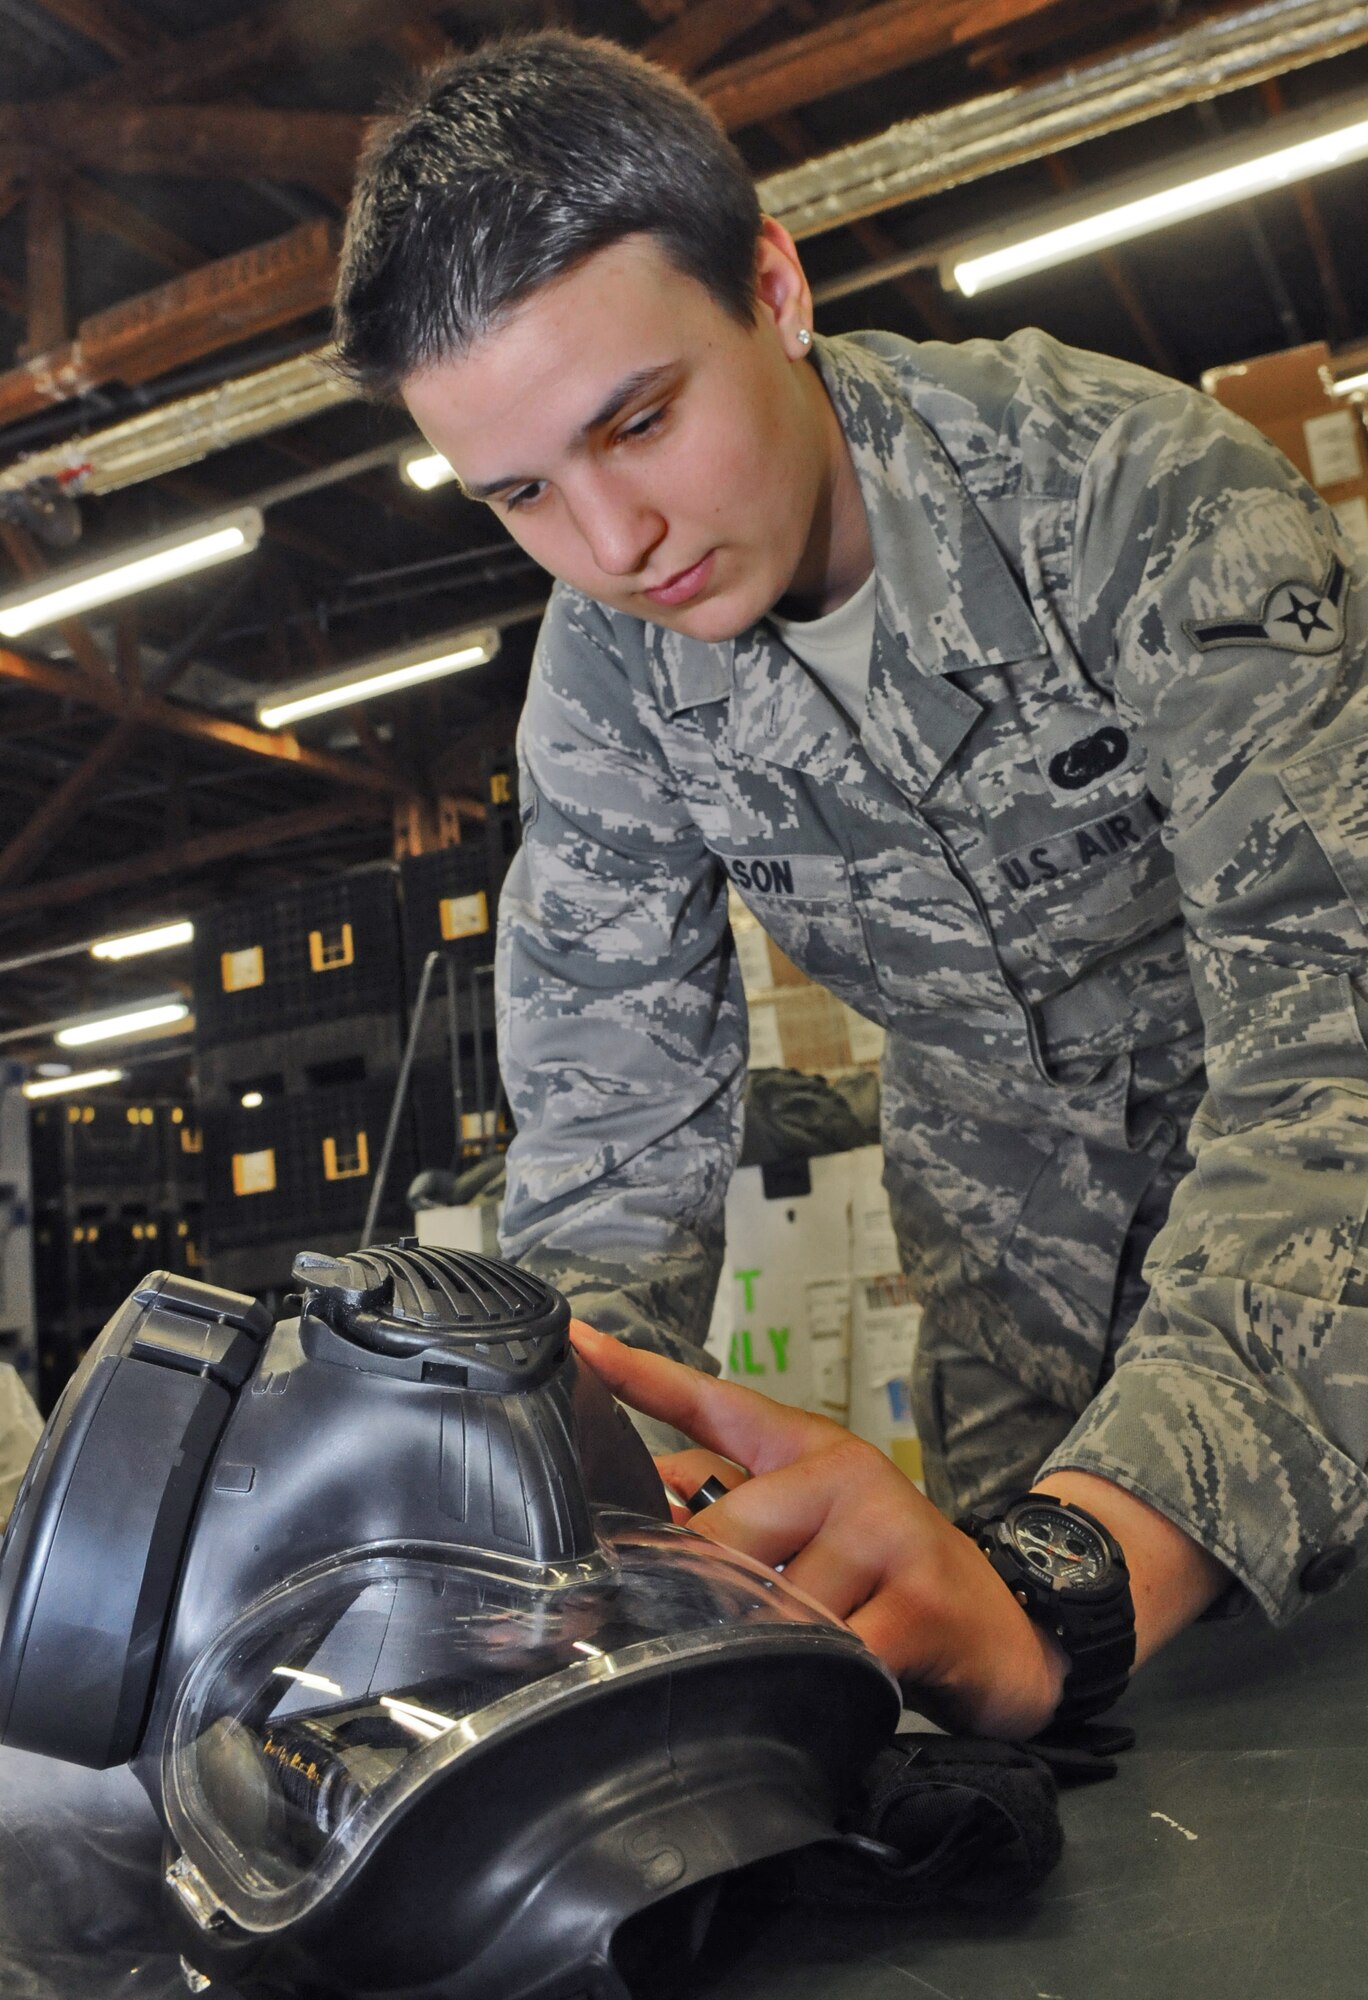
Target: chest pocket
point(1090, 889)
point(806, 903)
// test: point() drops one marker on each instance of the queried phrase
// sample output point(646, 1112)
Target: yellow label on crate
point(499, 792)
point(254, 1173)
point(464, 916)
point(327, 954)
point(349, 1165)
point(241, 969)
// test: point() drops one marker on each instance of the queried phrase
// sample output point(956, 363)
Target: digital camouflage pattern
point(1107, 808)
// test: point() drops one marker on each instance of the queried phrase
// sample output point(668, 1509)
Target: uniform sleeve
point(1232, 613)
point(621, 1013)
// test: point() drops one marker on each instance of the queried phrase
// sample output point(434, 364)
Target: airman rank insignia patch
point(1297, 617)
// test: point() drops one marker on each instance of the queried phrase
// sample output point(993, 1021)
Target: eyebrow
point(630, 387)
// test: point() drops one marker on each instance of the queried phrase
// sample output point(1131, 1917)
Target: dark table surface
point(1227, 1861)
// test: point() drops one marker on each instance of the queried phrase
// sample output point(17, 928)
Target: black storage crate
point(434, 1109)
point(300, 1166)
point(320, 1056)
point(321, 951)
point(85, 1263)
point(449, 906)
point(103, 1144)
point(502, 827)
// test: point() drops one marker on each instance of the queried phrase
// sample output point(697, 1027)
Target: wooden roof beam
point(693, 38)
point(12, 298)
point(214, 307)
point(60, 808)
point(854, 49)
point(120, 30)
point(266, 36)
point(223, 141)
point(95, 207)
point(277, 747)
point(46, 258)
point(185, 857)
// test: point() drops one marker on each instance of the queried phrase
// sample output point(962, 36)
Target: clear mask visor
point(329, 1703)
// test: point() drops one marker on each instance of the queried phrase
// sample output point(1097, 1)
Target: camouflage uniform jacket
point(1106, 814)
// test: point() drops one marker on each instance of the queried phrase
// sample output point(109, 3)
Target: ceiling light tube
point(89, 1079)
point(109, 1027)
point(68, 593)
point(385, 675)
point(163, 938)
point(425, 468)
point(1135, 208)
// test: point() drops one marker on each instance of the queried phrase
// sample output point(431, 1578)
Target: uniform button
point(1327, 1569)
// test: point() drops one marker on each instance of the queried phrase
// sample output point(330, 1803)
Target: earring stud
point(804, 337)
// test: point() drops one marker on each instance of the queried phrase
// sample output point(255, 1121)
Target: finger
point(686, 1471)
point(740, 1424)
point(772, 1516)
point(842, 1577)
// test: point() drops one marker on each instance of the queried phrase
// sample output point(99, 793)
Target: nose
point(620, 526)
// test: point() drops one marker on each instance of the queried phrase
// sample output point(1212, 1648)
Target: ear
point(783, 297)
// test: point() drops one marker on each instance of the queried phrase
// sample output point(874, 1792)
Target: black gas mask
point(384, 1605)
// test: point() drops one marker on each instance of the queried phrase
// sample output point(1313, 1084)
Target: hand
point(852, 1532)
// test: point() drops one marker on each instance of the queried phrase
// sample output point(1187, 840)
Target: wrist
point(1009, 1672)
point(1028, 1680)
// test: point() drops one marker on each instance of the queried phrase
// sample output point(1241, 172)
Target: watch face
point(1059, 1548)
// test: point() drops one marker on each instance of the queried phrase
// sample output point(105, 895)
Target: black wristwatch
point(1071, 1577)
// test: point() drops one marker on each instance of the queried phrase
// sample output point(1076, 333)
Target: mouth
point(685, 585)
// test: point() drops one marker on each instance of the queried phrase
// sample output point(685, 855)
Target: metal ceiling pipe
point(914, 159)
point(179, 434)
point(966, 142)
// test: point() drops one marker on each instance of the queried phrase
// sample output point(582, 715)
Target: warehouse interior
point(262, 664)
point(173, 179)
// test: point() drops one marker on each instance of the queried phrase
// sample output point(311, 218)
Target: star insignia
point(1295, 616)
point(1304, 614)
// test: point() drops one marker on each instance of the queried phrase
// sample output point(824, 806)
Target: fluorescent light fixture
point(88, 1079)
point(385, 675)
point(425, 469)
point(1134, 208)
point(70, 592)
point(111, 1026)
point(163, 938)
point(1350, 385)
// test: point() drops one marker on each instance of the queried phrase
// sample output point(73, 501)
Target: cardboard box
point(1290, 398)
point(794, 1023)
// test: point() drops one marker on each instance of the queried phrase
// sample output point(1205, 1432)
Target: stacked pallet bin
point(299, 1024)
point(450, 905)
point(118, 1190)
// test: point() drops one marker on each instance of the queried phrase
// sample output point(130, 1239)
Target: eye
point(523, 496)
point(643, 425)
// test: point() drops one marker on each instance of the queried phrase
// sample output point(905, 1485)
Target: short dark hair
point(512, 164)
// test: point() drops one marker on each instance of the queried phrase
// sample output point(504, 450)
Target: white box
point(812, 1307)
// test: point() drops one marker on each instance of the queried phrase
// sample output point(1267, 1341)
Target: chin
point(717, 619)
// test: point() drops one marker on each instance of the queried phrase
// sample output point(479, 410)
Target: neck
point(839, 555)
